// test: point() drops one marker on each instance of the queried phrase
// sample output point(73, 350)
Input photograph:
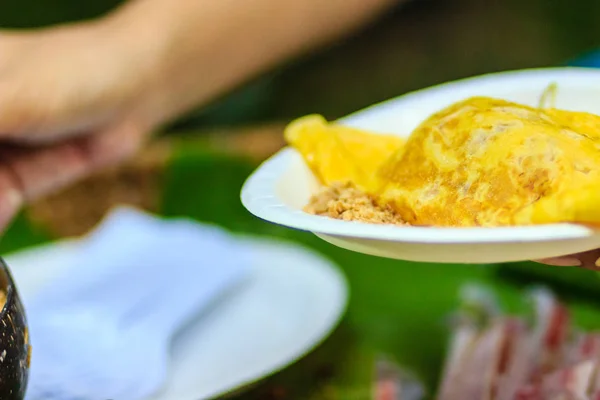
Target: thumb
point(588, 260)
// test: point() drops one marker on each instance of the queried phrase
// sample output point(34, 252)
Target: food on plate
point(495, 356)
point(336, 153)
point(489, 162)
point(344, 201)
point(479, 162)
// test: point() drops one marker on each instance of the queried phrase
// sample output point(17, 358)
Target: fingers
point(113, 145)
point(567, 261)
point(29, 173)
point(39, 170)
point(588, 260)
point(26, 174)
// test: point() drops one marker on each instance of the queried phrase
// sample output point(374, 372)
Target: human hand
point(72, 99)
point(588, 260)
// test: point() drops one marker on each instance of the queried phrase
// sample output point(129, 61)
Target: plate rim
point(338, 310)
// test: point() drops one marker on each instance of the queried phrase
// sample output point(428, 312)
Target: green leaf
point(21, 234)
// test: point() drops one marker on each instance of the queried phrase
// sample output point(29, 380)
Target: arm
point(201, 48)
point(77, 97)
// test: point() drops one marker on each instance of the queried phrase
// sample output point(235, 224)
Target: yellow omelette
point(479, 162)
point(337, 153)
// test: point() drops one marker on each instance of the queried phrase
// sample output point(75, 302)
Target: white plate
point(282, 185)
point(293, 300)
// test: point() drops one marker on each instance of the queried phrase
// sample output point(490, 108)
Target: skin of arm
point(200, 48)
point(77, 97)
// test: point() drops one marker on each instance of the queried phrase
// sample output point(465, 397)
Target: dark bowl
point(15, 350)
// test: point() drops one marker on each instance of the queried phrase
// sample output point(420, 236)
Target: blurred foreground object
point(502, 357)
point(129, 287)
